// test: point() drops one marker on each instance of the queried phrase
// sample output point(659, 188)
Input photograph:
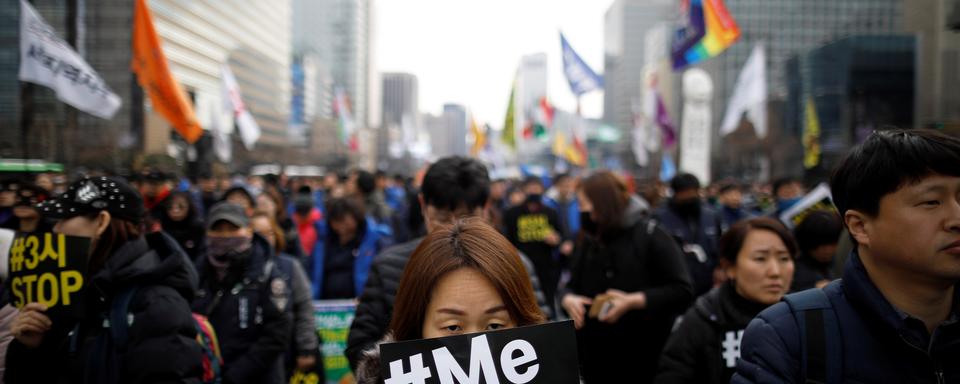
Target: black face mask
point(534, 199)
point(687, 207)
point(587, 224)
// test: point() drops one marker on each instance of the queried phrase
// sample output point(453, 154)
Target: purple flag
point(666, 126)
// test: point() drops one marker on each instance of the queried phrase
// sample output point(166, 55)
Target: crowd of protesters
point(663, 280)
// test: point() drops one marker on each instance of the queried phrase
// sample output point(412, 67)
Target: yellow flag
point(811, 136)
point(153, 74)
point(479, 137)
point(509, 125)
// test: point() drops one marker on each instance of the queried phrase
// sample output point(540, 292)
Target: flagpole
point(70, 129)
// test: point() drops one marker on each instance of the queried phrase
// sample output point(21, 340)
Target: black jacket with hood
point(637, 257)
point(243, 308)
point(704, 346)
point(161, 346)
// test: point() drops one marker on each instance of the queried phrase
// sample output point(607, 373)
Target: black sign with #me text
point(50, 269)
point(537, 354)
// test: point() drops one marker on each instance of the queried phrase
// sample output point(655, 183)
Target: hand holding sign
point(48, 269)
point(30, 325)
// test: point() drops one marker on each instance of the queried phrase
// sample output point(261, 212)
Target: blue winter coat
point(375, 238)
point(877, 343)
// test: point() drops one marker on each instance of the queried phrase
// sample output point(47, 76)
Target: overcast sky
point(467, 51)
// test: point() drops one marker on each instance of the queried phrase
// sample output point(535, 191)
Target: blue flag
point(582, 79)
point(667, 168)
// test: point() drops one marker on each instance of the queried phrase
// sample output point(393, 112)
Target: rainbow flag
point(709, 29)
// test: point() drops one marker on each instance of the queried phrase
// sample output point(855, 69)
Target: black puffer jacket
point(376, 303)
point(639, 257)
point(161, 347)
point(253, 331)
point(705, 345)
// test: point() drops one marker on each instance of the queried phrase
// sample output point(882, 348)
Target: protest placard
point(538, 354)
point(333, 325)
point(50, 269)
point(819, 199)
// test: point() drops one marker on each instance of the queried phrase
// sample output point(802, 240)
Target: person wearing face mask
point(757, 256)
point(161, 346)
point(730, 199)
point(628, 283)
point(463, 278)
point(787, 191)
point(696, 228)
point(245, 298)
point(534, 228)
point(26, 216)
point(181, 221)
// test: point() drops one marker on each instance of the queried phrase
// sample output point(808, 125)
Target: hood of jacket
point(154, 259)
point(368, 369)
point(636, 210)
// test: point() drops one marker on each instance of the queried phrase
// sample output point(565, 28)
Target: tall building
point(401, 115)
point(625, 26)
point(785, 28)
point(448, 131)
point(339, 33)
point(937, 24)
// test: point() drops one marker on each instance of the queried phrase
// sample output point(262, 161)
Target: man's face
point(916, 230)
point(566, 188)
point(732, 198)
point(7, 198)
point(345, 227)
point(224, 228)
point(533, 189)
point(790, 191)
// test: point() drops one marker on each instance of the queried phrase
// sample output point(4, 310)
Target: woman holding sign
point(464, 278)
point(756, 255)
point(628, 283)
point(67, 342)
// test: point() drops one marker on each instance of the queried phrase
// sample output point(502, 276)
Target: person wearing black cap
point(161, 344)
point(245, 298)
point(26, 217)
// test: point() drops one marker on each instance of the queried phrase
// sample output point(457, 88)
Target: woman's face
point(464, 301)
point(261, 225)
point(178, 209)
point(764, 268)
point(265, 204)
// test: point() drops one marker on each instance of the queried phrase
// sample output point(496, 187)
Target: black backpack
point(821, 344)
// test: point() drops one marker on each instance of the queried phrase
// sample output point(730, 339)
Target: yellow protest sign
point(49, 268)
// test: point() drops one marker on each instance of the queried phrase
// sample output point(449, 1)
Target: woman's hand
point(575, 305)
point(621, 303)
point(30, 325)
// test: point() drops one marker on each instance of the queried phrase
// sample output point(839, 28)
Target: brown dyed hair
point(609, 197)
point(732, 240)
point(279, 237)
point(118, 233)
point(467, 243)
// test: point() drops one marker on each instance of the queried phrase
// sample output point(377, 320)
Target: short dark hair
point(531, 180)
point(888, 160)
point(783, 182)
point(684, 182)
point(818, 228)
point(560, 177)
point(728, 187)
point(732, 240)
point(246, 194)
point(339, 208)
point(366, 182)
point(456, 182)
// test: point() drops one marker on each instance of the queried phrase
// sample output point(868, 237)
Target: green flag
point(509, 126)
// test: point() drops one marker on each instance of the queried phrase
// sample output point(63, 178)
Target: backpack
point(120, 318)
point(821, 344)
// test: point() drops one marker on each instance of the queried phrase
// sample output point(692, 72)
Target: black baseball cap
point(229, 212)
point(95, 194)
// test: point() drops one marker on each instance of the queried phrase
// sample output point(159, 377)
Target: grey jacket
point(304, 322)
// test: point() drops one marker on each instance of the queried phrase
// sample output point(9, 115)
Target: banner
point(333, 325)
point(811, 136)
point(249, 130)
point(819, 199)
point(749, 95)
point(50, 269)
point(347, 127)
point(695, 133)
point(539, 354)
point(708, 29)
point(153, 74)
point(47, 60)
point(582, 79)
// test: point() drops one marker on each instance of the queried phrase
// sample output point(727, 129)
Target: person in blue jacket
point(893, 318)
point(347, 241)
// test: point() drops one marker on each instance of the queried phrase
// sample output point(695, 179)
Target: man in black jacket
point(696, 228)
point(244, 297)
point(895, 315)
point(534, 228)
point(452, 187)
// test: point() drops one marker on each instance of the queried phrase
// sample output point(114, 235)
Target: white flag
point(249, 130)
point(47, 60)
point(749, 95)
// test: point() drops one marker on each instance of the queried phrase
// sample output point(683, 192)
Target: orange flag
point(154, 76)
